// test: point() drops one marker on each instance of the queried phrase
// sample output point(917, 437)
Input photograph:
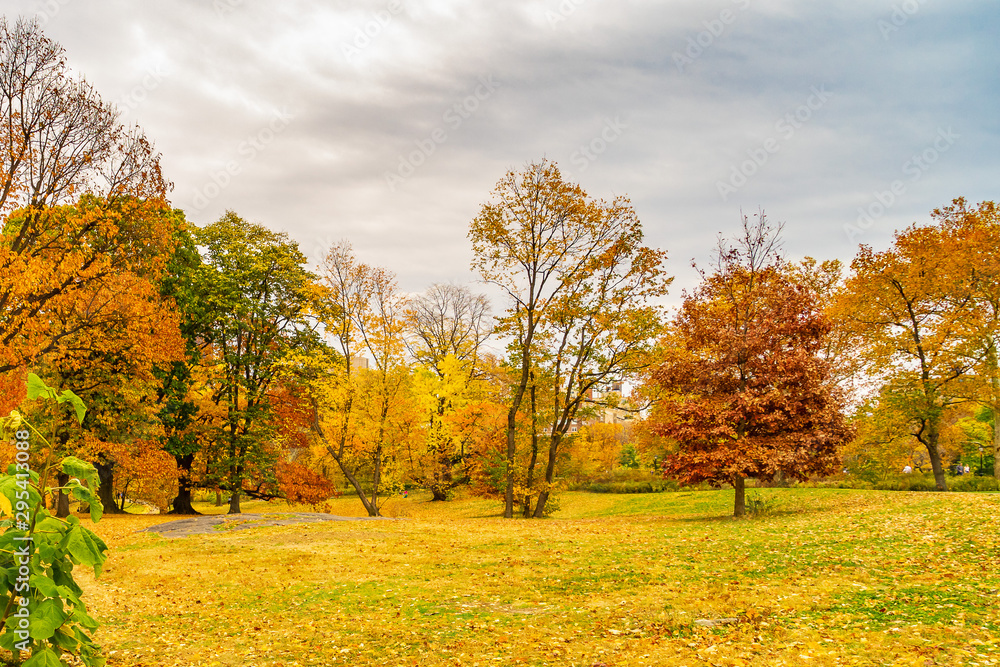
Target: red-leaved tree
point(745, 390)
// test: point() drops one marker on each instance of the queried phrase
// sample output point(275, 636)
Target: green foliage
point(907, 482)
point(627, 480)
point(629, 457)
point(252, 286)
point(37, 388)
point(631, 487)
point(42, 610)
point(974, 483)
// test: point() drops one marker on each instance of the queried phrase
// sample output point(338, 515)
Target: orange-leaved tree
point(745, 391)
point(971, 236)
point(81, 201)
point(912, 306)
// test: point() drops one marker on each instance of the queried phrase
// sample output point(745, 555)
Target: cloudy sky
point(388, 122)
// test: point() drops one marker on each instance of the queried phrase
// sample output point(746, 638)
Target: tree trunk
point(508, 493)
point(62, 500)
point(740, 506)
point(234, 502)
point(996, 444)
point(372, 510)
point(438, 492)
point(515, 405)
point(182, 503)
point(550, 471)
point(106, 490)
point(218, 497)
point(933, 433)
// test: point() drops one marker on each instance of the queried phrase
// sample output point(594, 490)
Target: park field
point(827, 577)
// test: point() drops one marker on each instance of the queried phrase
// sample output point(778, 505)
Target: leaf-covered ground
point(832, 577)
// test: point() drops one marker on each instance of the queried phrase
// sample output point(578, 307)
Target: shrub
point(626, 480)
point(973, 483)
point(760, 505)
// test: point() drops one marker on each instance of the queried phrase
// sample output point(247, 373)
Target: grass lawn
point(831, 577)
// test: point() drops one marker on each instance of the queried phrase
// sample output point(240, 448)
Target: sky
point(389, 122)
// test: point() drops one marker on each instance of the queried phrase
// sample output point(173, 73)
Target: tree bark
point(372, 509)
point(62, 500)
point(534, 452)
point(182, 503)
point(739, 485)
point(106, 490)
point(931, 443)
point(550, 471)
point(996, 443)
point(234, 502)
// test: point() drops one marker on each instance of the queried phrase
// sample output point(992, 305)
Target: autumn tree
point(255, 287)
point(912, 309)
point(580, 285)
point(178, 407)
point(447, 326)
point(81, 200)
point(360, 388)
point(746, 391)
point(112, 365)
point(970, 238)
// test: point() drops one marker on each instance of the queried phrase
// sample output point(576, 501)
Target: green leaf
point(44, 658)
point(7, 639)
point(44, 585)
point(66, 593)
point(83, 494)
point(80, 469)
point(81, 616)
point(62, 573)
point(75, 401)
point(45, 618)
point(36, 388)
point(49, 531)
point(64, 640)
point(86, 547)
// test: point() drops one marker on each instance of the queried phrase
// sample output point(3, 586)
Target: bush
point(626, 480)
point(757, 504)
point(973, 483)
point(630, 487)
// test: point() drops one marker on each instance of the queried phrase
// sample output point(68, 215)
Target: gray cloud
point(367, 84)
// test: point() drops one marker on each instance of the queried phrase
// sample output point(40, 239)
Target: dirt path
point(211, 524)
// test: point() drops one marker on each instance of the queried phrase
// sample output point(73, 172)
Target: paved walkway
point(213, 524)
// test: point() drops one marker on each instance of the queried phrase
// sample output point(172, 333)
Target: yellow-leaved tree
point(361, 389)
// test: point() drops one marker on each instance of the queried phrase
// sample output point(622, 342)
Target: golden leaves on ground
point(837, 577)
